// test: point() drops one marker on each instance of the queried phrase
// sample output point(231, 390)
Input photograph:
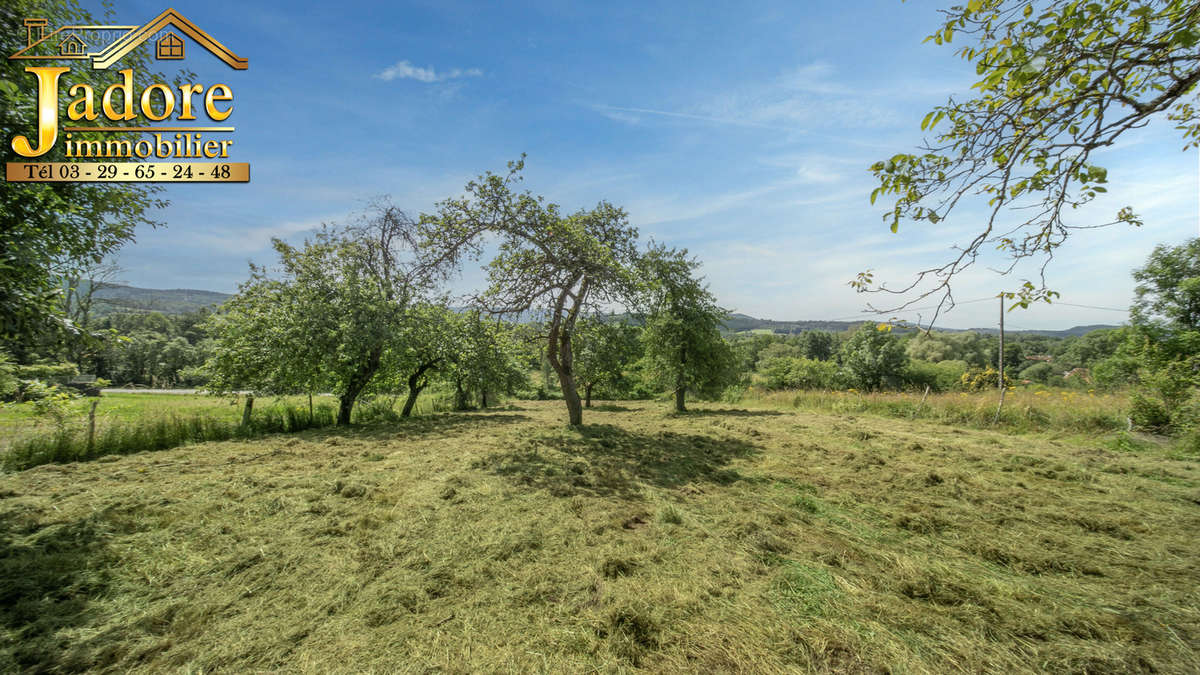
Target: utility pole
point(1001, 385)
point(1001, 342)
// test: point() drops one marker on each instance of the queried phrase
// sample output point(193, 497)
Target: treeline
point(876, 357)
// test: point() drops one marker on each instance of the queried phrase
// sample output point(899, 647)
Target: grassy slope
point(715, 541)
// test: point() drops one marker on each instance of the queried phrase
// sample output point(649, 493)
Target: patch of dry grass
point(718, 540)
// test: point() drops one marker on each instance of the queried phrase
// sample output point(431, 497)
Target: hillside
point(717, 541)
point(738, 323)
point(116, 298)
point(179, 300)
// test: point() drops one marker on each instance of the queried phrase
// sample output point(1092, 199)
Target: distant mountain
point(118, 299)
point(742, 323)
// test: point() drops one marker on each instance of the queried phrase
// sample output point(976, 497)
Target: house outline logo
point(132, 37)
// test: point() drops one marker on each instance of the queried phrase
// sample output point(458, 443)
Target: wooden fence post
point(91, 437)
point(247, 409)
point(922, 403)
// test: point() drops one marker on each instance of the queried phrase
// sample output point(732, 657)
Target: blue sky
point(741, 131)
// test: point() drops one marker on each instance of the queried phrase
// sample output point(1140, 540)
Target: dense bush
point(987, 378)
point(940, 377)
point(1040, 372)
point(801, 373)
point(874, 357)
point(50, 372)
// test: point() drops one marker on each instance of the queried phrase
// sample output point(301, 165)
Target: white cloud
point(406, 71)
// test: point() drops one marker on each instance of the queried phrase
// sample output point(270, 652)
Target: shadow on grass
point(608, 407)
point(48, 579)
point(424, 425)
point(728, 412)
point(606, 460)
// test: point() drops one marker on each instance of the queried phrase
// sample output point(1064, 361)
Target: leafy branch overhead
point(1059, 81)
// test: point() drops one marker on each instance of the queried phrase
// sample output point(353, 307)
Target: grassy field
point(753, 540)
point(1024, 410)
point(17, 418)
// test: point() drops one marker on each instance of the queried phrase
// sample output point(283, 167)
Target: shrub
point(52, 372)
point(1148, 413)
point(8, 377)
point(979, 380)
point(941, 376)
point(874, 357)
point(801, 373)
point(1040, 372)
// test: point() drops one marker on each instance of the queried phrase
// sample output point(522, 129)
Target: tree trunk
point(587, 396)
point(358, 381)
point(483, 398)
point(415, 387)
point(680, 387)
point(559, 351)
point(574, 405)
point(345, 407)
point(460, 396)
point(411, 402)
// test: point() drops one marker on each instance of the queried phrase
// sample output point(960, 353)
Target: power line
point(1108, 309)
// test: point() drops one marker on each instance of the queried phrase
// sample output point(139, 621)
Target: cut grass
point(714, 541)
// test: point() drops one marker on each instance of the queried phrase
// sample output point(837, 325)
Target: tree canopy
point(1059, 81)
point(561, 267)
point(328, 319)
point(1168, 289)
point(683, 326)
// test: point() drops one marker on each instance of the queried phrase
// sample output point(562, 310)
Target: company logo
point(101, 128)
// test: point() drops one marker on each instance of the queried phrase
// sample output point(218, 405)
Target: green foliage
point(984, 379)
point(603, 350)
point(1168, 289)
point(48, 229)
point(934, 347)
point(329, 318)
point(1056, 84)
point(484, 360)
point(1149, 413)
point(1165, 341)
point(683, 344)
point(54, 372)
point(939, 377)
point(802, 373)
point(68, 443)
point(8, 377)
point(873, 357)
point(818, 344)
point(1040, 372)
point(561, 266)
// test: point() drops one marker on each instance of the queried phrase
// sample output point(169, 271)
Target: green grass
point(130, 423)
point(1024, 410)
point(752, 540)
point(19, 418)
